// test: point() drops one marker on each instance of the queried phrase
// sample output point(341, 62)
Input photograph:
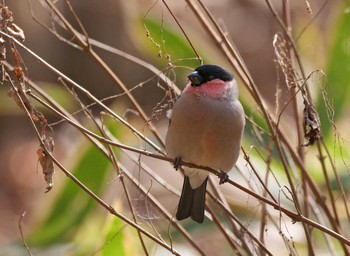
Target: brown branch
point(21, 232)
point(107, 69)
point(88, 94)
point(294, 216)
point(114, 163)
point(88, 191)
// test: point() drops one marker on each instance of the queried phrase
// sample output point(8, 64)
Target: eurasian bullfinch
point(206, 129)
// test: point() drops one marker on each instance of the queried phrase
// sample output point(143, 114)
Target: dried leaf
point(312, 125)
point(283, 59)
point(46, 161)
point(2, 49)
point(16, 32)
point(308, 7)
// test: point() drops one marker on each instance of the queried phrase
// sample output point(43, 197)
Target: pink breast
point(215, 88)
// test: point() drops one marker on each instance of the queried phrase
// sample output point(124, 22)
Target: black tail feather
point(192, 202)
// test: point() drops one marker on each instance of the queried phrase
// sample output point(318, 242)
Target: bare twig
point(280, 149)
point(90, 193)
point(21, 232)
point(107, 69)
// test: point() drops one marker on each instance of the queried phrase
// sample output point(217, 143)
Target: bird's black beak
point(195, 78)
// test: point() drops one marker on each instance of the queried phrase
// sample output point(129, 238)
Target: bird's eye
point(195, 80)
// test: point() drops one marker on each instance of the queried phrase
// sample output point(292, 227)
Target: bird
point(206, 129)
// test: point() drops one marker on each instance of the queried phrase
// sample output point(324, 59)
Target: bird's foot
point(177, 163)
point(223, 176)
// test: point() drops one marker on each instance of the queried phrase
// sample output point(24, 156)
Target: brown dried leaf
point(46, 161)
point(312, 125)
point(308, 7)
point(283, 59)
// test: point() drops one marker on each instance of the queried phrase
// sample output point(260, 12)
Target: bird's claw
point(223, 176)
point(177, 163)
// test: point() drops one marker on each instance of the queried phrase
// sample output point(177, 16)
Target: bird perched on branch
point(206, 129)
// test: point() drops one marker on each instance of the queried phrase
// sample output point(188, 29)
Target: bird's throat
point(214, 89)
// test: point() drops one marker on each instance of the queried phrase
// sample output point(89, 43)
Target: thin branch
point(183, 32)
point(321, 158)
point(317, 14)
point(277, 134)
point(108, 70)
point(243, 227)
point(86, 189)
point(87, 93)
point(230, 241)
point(294, 216)
point(21, 232)
point(114, 163)
point(339, 182)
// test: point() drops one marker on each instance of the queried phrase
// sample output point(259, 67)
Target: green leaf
point(165, 44)
point(114, 238)
point(9, 107)
point(168, 43)
point(73, 205)
point(338, 70)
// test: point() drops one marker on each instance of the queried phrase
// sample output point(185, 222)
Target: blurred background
point(125, 25)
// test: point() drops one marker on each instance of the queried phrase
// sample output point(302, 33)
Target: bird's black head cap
point(207, 72)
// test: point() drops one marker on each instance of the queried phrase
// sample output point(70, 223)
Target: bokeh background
point(123, 25)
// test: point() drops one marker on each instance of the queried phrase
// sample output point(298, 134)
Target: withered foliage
point(19, 92)
point(311, 121)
